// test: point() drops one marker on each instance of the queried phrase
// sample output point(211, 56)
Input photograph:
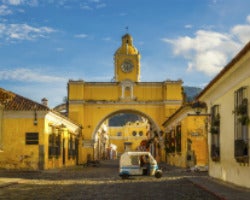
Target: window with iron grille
point(170, 141)
point(71, 148)
point(215, 133)
point(178, 138)
point(54, 144)
point(32, 138)
point(241, 121)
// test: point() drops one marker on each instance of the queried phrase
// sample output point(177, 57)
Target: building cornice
point(56, 120)
point(107, 102)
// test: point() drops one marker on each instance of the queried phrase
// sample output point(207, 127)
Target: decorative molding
point(56, 120)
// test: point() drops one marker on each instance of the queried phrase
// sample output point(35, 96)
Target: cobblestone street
point(104, 183)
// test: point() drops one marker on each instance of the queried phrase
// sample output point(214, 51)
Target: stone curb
point(7, 184)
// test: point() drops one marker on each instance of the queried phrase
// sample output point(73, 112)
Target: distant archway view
point(126, 131)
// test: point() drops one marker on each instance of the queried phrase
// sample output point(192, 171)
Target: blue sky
point(44, 43)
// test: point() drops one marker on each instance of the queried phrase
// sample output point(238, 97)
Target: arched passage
point(154, 125)
point(146, 136)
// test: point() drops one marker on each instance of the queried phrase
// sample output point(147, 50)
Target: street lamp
point(198, 106)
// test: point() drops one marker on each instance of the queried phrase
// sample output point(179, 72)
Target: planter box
point(241, 151)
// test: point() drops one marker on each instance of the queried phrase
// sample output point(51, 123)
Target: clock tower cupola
point(127, 61)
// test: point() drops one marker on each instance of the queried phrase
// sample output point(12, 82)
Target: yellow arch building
point(92, 103)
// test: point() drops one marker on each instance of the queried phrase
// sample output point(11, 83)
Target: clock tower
point(127, 61)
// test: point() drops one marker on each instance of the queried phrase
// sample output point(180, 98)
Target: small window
point(134, 133)
point(119, 133)
point(140, 133)
point(32, 138)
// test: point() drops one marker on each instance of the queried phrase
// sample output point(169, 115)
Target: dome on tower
point(127, 46)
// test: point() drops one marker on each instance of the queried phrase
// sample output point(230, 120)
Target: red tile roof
point(18, 103)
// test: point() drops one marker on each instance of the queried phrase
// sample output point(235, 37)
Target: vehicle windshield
point(138, 159)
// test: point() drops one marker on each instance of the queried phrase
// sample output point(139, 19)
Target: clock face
point(127, 66)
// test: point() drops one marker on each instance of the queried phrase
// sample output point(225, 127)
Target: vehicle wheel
point(125, 176)
point(158, 174)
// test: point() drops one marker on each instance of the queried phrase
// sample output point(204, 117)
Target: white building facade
point(227, 97)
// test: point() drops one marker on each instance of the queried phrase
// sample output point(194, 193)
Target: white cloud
point(59, 49)
point(86, 7)
point(27, 75)
point(81, 36)
point(101, 5)
point(248, 18)
point(92, 4)
point(242, 31)
point(4, 10)
point(107, 39)
point(209, 51)
point(188, 26)
point(23, 32)
point(21, 2)
point(13, 2)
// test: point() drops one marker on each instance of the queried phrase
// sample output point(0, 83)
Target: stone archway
point(101, 132)
point(90, 103)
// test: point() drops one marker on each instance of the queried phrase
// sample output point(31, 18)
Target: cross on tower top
point(126, 29)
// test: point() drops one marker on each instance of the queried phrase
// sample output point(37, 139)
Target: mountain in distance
point(191, 92)
point(122, 118)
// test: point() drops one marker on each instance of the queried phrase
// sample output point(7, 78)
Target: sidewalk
point(221, 189)
point(224, 191)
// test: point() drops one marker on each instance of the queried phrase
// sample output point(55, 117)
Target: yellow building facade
point(129, 137)
point(227, 98)
point(33, 137)
point(186, 138)
point(92, 103)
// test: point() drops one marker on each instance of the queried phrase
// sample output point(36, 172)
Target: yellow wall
point(146, 91)
point(16, 154)
point(127, 135)
point(193, 128)
point(95, 91)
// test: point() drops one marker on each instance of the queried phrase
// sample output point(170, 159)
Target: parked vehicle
point(138, 164)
